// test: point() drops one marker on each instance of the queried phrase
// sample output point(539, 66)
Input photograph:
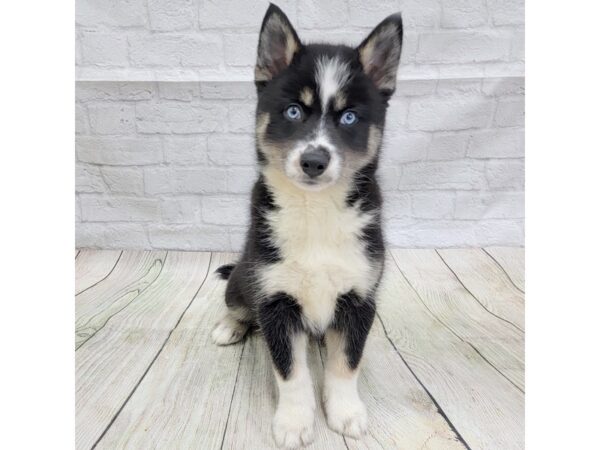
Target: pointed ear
point(277, 45)
point(379, 53)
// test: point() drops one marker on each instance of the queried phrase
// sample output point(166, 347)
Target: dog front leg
point(280, 320)
point(346, 413)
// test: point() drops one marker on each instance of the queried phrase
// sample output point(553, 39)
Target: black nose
point(315, 161)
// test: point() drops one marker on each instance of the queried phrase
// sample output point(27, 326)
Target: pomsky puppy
point(314, 252)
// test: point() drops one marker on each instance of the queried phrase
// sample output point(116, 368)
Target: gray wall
point(165, 105)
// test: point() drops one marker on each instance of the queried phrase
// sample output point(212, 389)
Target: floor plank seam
point(495, 368)
point(237, 374)
point(432, 398)
point(374, 438)
point(433, 315)
point(459, 400)
point(100, 281)
point(128, 303)
point(503, 270)
point(460, 338)
point(476, 299)
point(153, 359)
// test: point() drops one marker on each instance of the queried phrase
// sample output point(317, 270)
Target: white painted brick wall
point(165, 104)
point(104, 49)
point(175, 49)
point(173, 15)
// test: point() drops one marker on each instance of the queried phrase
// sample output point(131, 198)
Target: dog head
point(321, 108)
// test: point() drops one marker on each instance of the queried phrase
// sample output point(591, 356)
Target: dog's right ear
point(277, 45)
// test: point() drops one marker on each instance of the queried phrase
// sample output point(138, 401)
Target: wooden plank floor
point(443, 368)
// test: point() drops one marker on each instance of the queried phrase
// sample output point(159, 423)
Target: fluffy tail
point(225, 271)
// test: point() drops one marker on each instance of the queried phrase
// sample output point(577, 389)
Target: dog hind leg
point(235, 323)
point(229, 330)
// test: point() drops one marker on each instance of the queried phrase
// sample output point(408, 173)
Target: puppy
point(314, 252)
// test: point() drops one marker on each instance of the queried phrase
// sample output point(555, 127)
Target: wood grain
point(255, 398)
point(92, 266)
point(495, 339)
point(485, 408)
point(183, 402)
point(114, 361)
point(401, 415)
point(134, 272)
point(512, 260)
point(487, 282)
point(442, 365)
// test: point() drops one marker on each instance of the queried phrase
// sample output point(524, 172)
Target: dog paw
point(293, 428)
point(228, 331)
point(347, 417)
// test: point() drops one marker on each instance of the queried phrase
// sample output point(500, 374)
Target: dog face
point(321, 108)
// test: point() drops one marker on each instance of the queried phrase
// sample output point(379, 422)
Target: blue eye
point(293, 113)
point(348, 118)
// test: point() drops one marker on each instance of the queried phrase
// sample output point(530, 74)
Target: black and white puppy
point(314, 253)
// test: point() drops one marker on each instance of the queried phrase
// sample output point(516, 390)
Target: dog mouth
point(312, 184)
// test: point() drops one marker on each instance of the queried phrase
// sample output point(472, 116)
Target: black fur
point(368, 102)
point(353, 319)
point(279, 83)
point(225, 271)
point(366, 190)
point(387, 47)
point(280, 317)
point(258, 242)
point(240, 292)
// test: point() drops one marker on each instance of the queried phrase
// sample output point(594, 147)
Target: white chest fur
point(322, 255)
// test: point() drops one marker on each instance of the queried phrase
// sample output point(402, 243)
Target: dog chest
point(322, 254)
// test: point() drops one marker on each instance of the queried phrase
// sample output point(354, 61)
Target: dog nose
point(315, 161)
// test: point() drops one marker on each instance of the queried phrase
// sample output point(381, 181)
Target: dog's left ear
point(379, 54)
point(277, 45)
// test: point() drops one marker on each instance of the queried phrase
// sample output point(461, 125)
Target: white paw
point(347, 416)
point(228, 331)
point(293, 427)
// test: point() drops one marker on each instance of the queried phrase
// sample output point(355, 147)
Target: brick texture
point(165, 108)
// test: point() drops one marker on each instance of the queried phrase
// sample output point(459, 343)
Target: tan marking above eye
point(339, 101)
point(307, 96)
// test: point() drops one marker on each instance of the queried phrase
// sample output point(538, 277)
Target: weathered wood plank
point(255, 398)
point(92, 266)
point(253, 403)
point(176, 406)
point(498, 341)
point(485, 408)
point(487, 282)
point(512, 260)
point(183, 401)
point(114, 360)
point(401, 415)
point(134, 272)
